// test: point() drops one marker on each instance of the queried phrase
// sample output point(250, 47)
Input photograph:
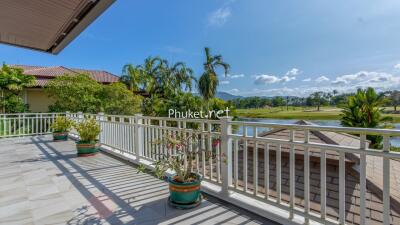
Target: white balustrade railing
point(22, 124)
point(284, 172)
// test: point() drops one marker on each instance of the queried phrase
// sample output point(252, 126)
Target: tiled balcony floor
point(43, 182)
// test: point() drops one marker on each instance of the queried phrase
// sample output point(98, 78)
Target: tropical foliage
point(12, 82)
point(363, 110)
point(88, 130)
point(157, 77)
point(168, 85)
point(62, 124)
point(183, 161)
point(75, 93)
point(117, 100)
point(208, 82)
point(82, 93)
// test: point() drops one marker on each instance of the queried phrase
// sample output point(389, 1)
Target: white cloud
point(366, 78)
point(307, 80)
point(293, 72)
point(286, 78)
point(397, 66)
point(223, 82)
point(270, 79)
point(266, 79)
point(234, 76)
point(220, 16)
point(321, 79)
point(235, 90)
point(348, 83)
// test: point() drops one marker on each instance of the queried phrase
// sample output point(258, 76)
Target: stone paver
point(43, 182)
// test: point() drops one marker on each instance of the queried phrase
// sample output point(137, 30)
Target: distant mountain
point(226, 96)
point(223, 95)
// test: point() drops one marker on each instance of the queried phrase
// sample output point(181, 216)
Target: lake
point(395, 141)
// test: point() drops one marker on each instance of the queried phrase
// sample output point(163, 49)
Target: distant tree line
point(316, 99)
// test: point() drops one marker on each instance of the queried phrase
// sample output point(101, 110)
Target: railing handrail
point(351, 130)
point(357, 130)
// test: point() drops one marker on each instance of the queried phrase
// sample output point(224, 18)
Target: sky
point(274, 47)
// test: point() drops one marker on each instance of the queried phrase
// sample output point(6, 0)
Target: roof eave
point(95, 12)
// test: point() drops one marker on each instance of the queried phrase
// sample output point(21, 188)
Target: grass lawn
point(307, 113)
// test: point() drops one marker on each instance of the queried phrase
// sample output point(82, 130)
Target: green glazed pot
point(60, 136)
point(86, 148)
point(184, 193)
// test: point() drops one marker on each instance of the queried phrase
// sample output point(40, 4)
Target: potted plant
point(61, 127)
point(184, 185)
point(88, 131)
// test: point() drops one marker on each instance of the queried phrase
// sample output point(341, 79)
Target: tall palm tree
point(133, 77)
point(151, 72)
point(208, 82)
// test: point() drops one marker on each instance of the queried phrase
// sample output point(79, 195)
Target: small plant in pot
point(61, 127)
point(88, 132)
point(184, 185)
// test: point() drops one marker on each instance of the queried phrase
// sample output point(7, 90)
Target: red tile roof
point(44, 74)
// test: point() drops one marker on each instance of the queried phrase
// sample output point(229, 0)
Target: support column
point(226, 149)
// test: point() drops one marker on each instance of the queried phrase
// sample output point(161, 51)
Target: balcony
point(288, 174)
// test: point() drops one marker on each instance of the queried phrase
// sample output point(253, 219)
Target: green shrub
point(88, 130)
point(62, 124)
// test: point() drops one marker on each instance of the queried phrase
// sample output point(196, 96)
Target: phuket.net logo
point(189, 114)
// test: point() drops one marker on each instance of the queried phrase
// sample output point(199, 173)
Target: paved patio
point(43, 182)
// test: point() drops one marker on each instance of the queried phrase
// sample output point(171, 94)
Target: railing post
point(138, 136)
point(226, 147)
point(80, 116)
point(386, 181)
point(67, 114)
point(100, 117)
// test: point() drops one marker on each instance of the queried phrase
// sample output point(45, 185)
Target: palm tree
point(181, 75)
point(133, 77)
point(363, 110)
point(208, 82)
point(151, 72)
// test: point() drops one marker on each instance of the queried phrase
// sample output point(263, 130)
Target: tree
point(317, 98)
point(133, 77)
point(158, 77)
point(117, 100)
point(77, 93)
point(363, 110)
point(208, 82)
point(278, 101)
point(394, 97)
point(12, 82)
point(80, 93)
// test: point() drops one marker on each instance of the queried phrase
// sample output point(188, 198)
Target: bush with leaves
point(80, 93)
point(88, 130)
point(118, 100)
point(364, 110)
point(183, 161)
point(12, 82)
point(62, 124)
point(75, 93)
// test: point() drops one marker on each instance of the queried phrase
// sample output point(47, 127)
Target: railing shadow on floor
point(135, 203)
